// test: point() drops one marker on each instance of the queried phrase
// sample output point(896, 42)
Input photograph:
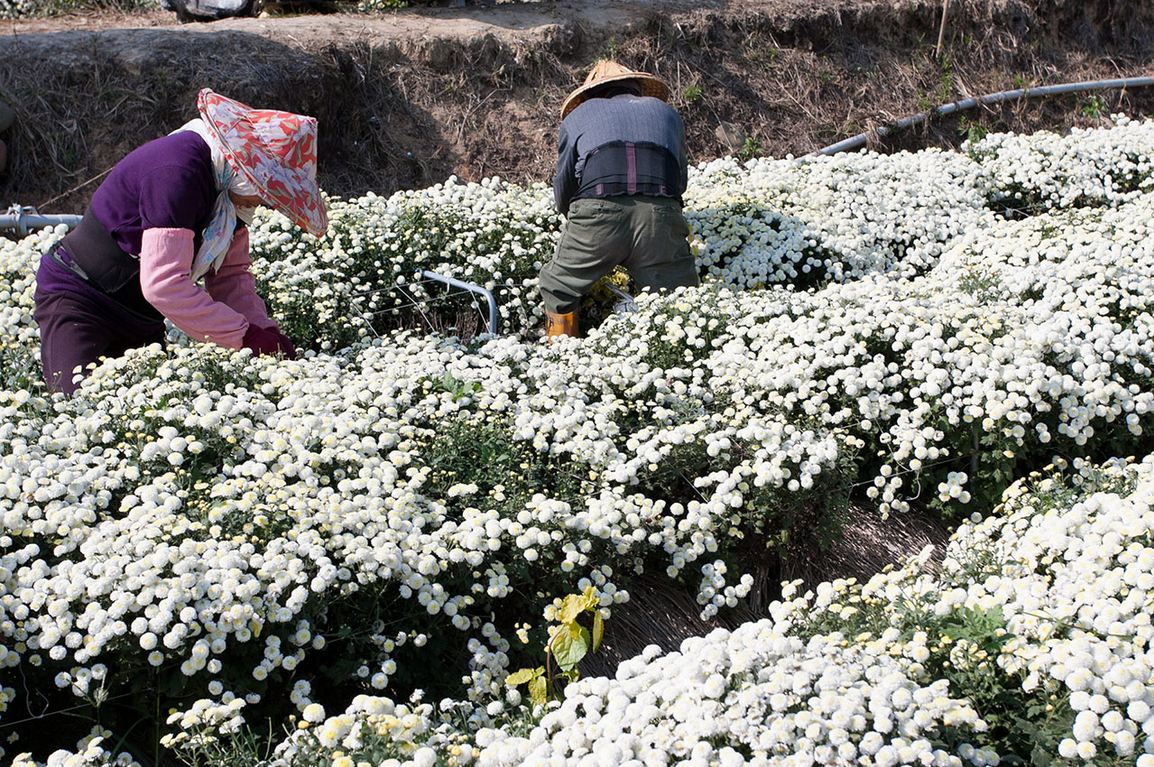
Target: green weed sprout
point(569, 642)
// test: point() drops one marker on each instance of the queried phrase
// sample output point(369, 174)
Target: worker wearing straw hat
point(172, 213)
point(621, 169)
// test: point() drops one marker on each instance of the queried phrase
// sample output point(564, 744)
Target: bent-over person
point(621, 172)
point(165, 237)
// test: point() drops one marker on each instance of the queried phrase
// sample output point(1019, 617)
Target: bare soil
point(408, 98)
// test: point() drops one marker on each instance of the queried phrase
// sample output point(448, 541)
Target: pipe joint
point(24, 218)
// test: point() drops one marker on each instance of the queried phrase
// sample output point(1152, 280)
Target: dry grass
point(664, 613)
point(407, 114)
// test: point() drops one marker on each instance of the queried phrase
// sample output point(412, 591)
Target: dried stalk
point(942, 30)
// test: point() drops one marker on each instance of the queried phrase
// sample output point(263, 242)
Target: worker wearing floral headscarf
point(171, 213)
point(621, 171)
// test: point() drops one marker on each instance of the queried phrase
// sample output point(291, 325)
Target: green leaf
point(598, 629)
point(523, 676)
point(1028, 727)
point(570, 644)
point(575, 604)
point(539, 690)
point(571, 607)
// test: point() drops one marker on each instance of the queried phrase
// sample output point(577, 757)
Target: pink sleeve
point(166, 281)
point(233, 283)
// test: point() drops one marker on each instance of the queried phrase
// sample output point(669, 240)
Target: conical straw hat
point(276, 151)
point(606, 71)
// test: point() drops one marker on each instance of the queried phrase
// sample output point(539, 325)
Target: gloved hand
point(268, 341)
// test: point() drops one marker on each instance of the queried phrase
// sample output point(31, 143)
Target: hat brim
point(278, 195)
point(292, 192)
point(651, 85)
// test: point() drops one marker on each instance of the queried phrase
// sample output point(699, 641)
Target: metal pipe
point(624, 300)
point(25, 219)
point(860, 140)
point(494, 317)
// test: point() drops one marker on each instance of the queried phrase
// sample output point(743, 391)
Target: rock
point(731, 136)
point(7, 117)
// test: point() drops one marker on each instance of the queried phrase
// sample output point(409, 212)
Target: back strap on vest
point(631, 168)
point(104, 264)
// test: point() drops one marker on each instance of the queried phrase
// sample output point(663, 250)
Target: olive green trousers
point(646, 235)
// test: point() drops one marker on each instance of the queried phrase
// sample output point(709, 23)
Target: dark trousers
point(646, 235)
point(77, 331)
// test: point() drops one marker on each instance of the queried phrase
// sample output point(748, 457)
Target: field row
point(244, 540)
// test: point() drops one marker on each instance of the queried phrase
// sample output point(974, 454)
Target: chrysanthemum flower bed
point(1031, 641)
point(240, 539)
point(798, 222)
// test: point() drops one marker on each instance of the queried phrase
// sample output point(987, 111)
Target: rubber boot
point(560, 324)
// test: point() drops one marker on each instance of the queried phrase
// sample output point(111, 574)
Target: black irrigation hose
point(860, 140)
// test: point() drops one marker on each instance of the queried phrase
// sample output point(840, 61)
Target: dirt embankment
point(407, 99)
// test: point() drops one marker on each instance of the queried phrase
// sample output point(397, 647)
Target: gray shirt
point(620, 145)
